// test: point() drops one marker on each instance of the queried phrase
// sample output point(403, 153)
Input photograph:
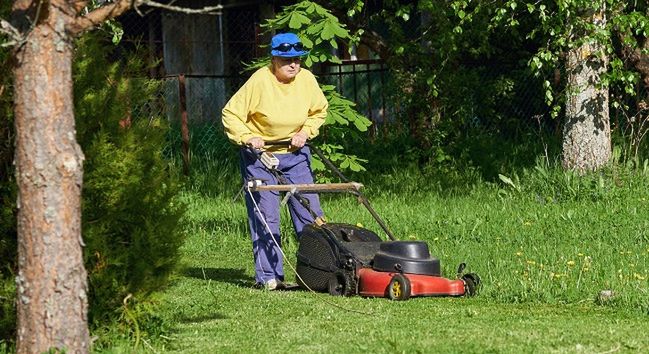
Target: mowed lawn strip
point(543, 264)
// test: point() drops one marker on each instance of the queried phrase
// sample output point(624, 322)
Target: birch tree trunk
point(587, 130)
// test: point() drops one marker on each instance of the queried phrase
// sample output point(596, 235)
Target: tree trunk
point(587, 130)
point(51, 281)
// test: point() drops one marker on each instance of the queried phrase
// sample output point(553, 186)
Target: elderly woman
point(280, 102)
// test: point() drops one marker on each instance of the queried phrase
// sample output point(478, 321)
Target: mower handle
point(333, 168)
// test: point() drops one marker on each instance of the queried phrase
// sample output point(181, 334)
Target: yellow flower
point(580, 254)
point(519, 253)
point(570, 263)
point(531, 262)
point(639, 276)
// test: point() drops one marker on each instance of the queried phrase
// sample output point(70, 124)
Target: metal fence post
point(184, 127)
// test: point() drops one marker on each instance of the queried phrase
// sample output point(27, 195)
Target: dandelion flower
point(570, 263)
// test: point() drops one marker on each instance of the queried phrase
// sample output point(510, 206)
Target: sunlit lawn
point(543, 263)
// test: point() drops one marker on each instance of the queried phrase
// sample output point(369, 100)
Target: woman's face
point(285, 69)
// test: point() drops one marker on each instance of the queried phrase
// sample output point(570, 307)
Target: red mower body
point(372, 283)
point(348, 260)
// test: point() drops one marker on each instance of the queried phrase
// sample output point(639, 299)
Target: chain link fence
point(198, 60)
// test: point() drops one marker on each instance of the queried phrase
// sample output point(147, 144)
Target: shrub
point(131, 216)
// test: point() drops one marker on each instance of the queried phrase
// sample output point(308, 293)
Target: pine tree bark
point(52, 282)
point(587, 130)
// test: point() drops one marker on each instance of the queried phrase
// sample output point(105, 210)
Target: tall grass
point(538, 236)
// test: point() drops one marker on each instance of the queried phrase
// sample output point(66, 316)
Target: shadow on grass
point(224, 275)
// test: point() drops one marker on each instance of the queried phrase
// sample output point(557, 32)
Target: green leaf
point(311, 8)
point(297, 20)
point(315, 28)
point(328, 31)
point(530, 8)
point(507, 181)
point(361, 125)
point(307, 42)
point(548, 96)
point(316, 164)
point(341, 32)
point(356, 167)
point(335, 60)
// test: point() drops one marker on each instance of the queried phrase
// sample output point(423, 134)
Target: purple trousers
point(296, 168)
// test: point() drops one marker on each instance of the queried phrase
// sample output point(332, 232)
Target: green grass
point(544, 243)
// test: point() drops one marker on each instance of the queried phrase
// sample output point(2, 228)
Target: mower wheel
point(341, 284)
point(471, 284)
point(399, 288)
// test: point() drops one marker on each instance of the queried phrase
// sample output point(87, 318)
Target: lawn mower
point(345, 260)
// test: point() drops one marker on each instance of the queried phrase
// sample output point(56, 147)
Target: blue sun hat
point(287, 45)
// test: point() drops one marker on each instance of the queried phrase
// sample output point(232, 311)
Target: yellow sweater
point(264, 107)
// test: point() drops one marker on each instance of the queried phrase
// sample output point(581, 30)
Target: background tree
point(581, 38)
point(437, 47)
point(587, 126)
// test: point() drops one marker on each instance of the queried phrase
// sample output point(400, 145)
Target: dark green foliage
point(462, 91)
point(130, 212)
point(7, 199)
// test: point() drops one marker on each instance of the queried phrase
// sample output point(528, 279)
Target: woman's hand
point(256, 142)
point(299, 139)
